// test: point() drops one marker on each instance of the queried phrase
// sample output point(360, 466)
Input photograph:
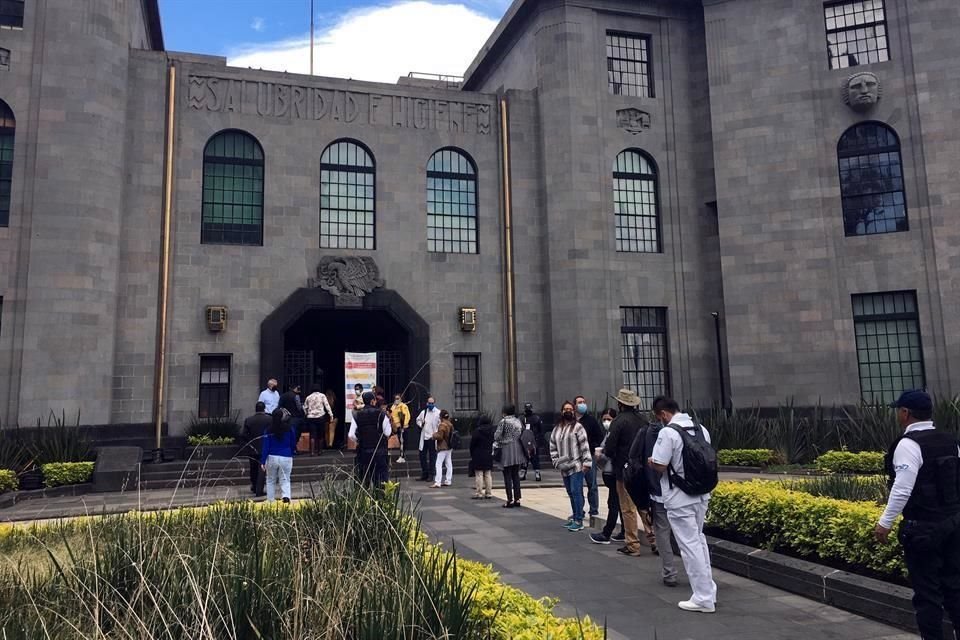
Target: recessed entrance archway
point(304, 339)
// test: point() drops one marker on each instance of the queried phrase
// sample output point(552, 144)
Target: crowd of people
point(658, 473)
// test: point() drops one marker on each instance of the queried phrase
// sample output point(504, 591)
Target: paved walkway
point(534, 553)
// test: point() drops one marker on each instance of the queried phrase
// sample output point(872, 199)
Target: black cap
point(914, 400)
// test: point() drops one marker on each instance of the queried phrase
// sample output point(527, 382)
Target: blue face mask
point(582, 408)
point(430, 407)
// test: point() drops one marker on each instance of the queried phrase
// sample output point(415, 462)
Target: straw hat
point(627, 398)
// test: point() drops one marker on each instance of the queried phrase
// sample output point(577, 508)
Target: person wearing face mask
point(428, 421)
point(623, 430)
point(532, 435)
point(570, 454)
point(595, 436)
point(401, 414)
point(270, 397)
point(610, 482)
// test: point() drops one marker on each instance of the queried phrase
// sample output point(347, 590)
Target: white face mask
point(606, 424)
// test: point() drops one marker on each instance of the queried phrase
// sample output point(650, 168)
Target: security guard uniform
point(924, 471)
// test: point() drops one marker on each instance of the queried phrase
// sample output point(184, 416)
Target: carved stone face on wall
point(862, 91)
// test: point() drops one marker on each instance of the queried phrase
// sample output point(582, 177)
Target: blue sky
point(361, 39)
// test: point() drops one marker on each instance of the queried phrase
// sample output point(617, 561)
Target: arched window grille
point(347, 197)
point(451, 203)
point(232, 190)
point(871, 180)
point(635, 205)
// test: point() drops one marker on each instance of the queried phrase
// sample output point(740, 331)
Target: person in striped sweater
point(570, 454)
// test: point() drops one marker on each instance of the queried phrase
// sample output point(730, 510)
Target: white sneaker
point(689, 605)
point(401, 460)
point(434, 486)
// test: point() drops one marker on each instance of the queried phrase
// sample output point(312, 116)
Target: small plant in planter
point(213, 437)
point(58, 474)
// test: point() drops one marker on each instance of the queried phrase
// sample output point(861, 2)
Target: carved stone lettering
point(297, 102)
point(374, 105)
point(350, 276)
point(633, 120)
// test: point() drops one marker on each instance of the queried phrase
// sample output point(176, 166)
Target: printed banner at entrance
point(359, 368)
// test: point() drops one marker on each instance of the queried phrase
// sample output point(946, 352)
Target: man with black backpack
point(687, 463)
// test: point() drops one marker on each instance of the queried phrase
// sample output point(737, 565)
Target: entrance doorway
point(315, 344)
point(303, 342)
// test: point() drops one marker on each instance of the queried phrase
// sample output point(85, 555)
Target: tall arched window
point(451, 203)
point(7, 126)
point(635, 203)
point(871, 180)
point(347, 197)
point(232, 190)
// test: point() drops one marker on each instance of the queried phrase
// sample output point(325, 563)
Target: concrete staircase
point(235, 471)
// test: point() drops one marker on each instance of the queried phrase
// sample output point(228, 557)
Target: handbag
point(471, 472)
point(497, 454)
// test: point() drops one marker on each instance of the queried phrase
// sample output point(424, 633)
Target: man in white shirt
point(924, 465)
point(685, 512)
point(270, 397)
point(428, 421)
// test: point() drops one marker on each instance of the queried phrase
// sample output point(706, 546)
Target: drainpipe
point(723, 386)
point(510, 295)
point(160, 364)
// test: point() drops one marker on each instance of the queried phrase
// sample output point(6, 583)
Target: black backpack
point(456, 441)
point(700, 472)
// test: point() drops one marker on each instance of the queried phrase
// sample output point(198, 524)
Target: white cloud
point(257, 24)
point(380, 43)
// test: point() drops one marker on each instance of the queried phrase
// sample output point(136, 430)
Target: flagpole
point(311, 37)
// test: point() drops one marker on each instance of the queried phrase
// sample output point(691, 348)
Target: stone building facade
point(738, 198)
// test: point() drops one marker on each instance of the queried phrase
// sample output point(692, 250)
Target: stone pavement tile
point(626, 593)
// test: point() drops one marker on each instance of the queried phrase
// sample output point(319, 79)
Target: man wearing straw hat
point(622, 432)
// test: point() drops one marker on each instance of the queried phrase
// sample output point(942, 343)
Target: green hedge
point(57, 474)
point(847, 462)
point(8, 480)
point(747, 457)
point(772, 517)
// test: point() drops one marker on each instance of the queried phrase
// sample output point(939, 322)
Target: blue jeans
point(278, 470)
point(574, 486)
point(593, 493)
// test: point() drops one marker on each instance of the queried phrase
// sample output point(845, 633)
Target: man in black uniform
point(533, 424)
point(253, 429)
point(924, 469)
point(371, 430)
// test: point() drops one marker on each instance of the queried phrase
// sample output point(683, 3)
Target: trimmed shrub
point(219, 427)
point(8, 480)
point(748, 457)
point(849, 462)
point(58, 474)
point(769, 516)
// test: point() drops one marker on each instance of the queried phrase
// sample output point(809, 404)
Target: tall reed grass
point(346, 565)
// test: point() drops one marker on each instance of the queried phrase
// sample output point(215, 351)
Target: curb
point(15, 497)
point(868, 597)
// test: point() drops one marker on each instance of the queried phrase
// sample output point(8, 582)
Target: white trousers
point(444, 457)
point(687, 525)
